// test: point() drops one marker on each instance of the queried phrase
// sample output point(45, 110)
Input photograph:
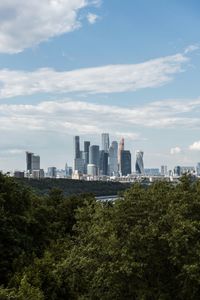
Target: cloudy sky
point(83, 67)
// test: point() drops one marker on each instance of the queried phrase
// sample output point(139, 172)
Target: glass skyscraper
point(105, 142)
point(94, 155)
point(125, 162)
point(139, 165)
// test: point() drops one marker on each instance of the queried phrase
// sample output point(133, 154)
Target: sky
point(83, 67)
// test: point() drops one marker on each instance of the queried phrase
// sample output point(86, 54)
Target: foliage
point(145, 245)
point(71, 187)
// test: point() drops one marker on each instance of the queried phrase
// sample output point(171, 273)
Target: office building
point(52, 172)
point(68, 171)
point(79, 165)
point(121, 148)
point(139, 164)
point(163, 171)
point(76, 147)
point(37, 174)
point(19, 174)
point(125, 162)
point(113, 159)
point(105, 143)
point(87, 150)
point(35, 162)
point(177, 171)
point(94, 155)
point(32, 162)
point(103, 164)
point(29, 161)
point(92, 170)
point(152, 172)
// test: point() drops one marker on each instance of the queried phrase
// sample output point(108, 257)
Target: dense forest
point(145, 245)
point(70, 186)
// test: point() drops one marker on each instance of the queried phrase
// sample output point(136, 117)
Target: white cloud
point(195, 146)
point(51, 125)
point(191, 48)
point(105, 79)
point(92, 18)
point(175, 150)
point(78, 117)
point(26, 23)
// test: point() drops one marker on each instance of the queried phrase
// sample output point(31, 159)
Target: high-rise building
point(76, 147)
point(68, 170)
point(103, 165)
point(79, 165)
point(105, 143)
point(139, 164)
point(125, 162)
point(163, 170)
point(37, 174)
point(94, 155)
point(52, 172)
point(35, 162)
point(198, 169)
point(177, 171)
point(113, 159)
point(83, 155)
point(32, 162)
point(87, 150)
point(120, 149)
point(92, 170)
point(29, 161)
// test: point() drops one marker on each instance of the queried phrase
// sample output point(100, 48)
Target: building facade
point(125, 162)
point(139, 164)
point(105, 142)
point(113, 159)
point(76, 147)
point(94, 155)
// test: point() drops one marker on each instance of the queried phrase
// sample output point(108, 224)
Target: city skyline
point(85, 153)
point(99, 66)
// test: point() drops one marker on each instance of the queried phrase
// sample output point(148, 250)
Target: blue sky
point(77, 67)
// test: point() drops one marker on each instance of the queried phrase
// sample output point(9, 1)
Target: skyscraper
point(113, 159)
point(94, 155)
point(125, 162)
point(79, 165)
point(29, 161)
point(105, 143)
point(121, 148)
point(35, 162)
point(139, 165)
point(52, 172)
point(32, 162)
point(163, 170)
point(103, 165)
point(87, 150)
point(76, 147)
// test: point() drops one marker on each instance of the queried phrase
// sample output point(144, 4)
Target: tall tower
point(121, 148)
point(87, 150)
point(105, 143)
point(113, 159)
point(125, 162)
point(94, 155)
point(29, 161)
point(139, 165)
point(32, 162)
point(35, 162)
point(103, 162)
point(76, 147)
